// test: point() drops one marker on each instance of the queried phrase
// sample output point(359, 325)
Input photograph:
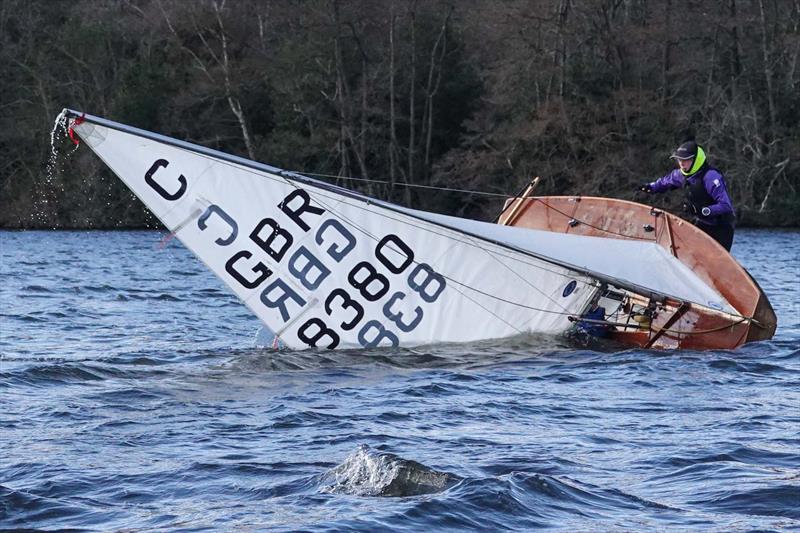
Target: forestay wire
point(297, 175)
point(403, 184)
point(289, 176)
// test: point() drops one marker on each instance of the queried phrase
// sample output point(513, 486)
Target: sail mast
point(290, 177)
point(305, 180)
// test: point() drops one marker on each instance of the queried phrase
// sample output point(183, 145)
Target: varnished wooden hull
point(674, 325)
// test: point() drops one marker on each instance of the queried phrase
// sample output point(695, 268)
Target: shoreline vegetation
point(478, 95)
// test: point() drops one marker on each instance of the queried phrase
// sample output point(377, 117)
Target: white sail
point(641, 264)
point(634, 263)
point(324, 266)
point(321, 268)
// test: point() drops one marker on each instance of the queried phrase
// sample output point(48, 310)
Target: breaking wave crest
point(368, 472)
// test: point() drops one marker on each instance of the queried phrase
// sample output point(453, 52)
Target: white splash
point(60, 124)
point(370, 473)
point(45, 205)
point(363, 474)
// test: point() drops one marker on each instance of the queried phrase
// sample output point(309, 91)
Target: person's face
point(685, 164)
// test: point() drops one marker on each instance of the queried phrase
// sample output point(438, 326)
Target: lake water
point(134, 396)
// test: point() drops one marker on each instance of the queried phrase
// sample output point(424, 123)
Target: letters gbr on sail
point(324, 268)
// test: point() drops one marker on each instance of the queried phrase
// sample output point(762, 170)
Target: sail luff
point(600, 276)
point(429, 218)
point(329, 268)
point(293, 176)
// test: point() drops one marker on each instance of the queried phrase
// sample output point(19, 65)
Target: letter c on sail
point(214, 208)
point(148, 177)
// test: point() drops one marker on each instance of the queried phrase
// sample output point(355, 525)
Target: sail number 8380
point(371, 285)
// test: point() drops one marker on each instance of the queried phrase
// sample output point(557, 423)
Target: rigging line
point(705, 331)
point(585, 283)
point(523, 279)
point(456, 282)
point(467, 241)
point(502, 244)
point(472, 243)
point(500, 252)
point(493, 255)
point(574, 318)
point(549, 311)
point(268, 171)
point(397, 184)
point(592, 225)
point(614, 281)
point(459, 283)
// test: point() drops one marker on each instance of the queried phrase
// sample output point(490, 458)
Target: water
point(133, 395)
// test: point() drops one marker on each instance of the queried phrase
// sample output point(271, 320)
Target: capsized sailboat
point(668, 323)
point(324, 266)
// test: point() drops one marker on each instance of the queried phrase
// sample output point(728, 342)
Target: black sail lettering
point(284, 293)
point(398, 248)
point(267, 244)
point(148, 178)
point(304, 266)
point(322, 331)
point(259, 268)
point(305, 207)
point(336, 250)
point(215, 209)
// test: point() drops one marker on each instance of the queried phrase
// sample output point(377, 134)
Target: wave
point(368, 472)
point(60, 372)
point(19, 508)
point(741, 454)
point(780, 500)
point(35, 288)
point(50, 374)
point(510, 501)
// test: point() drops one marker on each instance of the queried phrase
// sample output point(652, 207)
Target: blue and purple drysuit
point(707, 198)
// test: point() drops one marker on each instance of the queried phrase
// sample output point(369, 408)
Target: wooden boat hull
point(674, 324)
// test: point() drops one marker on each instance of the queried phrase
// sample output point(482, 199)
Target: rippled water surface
point(134, 395)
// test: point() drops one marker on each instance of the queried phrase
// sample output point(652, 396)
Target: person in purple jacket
point(706, 194)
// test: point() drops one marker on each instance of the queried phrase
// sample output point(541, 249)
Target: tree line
point(478, 95)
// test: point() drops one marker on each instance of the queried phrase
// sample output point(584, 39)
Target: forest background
point(591, 95)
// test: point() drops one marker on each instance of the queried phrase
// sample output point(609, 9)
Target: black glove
point(645, 187)
point(689, 208)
